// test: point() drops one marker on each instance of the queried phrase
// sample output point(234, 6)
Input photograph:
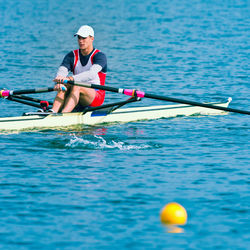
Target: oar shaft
point(193, 103)
point(131, 92)
point(13, 98)
point(93, 86)
point(7, 93)
point(32, 99)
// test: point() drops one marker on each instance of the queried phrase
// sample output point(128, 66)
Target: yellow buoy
point(174, 214)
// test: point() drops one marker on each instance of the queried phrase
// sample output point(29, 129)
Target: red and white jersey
point(79, 68)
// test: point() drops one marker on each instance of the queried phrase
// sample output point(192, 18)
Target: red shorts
point(99, 98)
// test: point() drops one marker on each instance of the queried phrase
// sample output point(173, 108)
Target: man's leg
point(84, 96)
point(59, 100)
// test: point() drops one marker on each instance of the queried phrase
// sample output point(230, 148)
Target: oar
point(21, 100)
point(137, 93)
point(6, 93)
point(32, 99)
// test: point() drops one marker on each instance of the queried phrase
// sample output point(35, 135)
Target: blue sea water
point(103, 187)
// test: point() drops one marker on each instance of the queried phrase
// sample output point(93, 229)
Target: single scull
point(105, 115)
point(108, 113)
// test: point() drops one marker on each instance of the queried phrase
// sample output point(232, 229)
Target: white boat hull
point(99, 116)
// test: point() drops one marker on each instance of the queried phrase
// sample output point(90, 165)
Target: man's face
point(85, 42)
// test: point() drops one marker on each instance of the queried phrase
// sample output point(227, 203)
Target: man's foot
point(51, 111)
point(46, 111)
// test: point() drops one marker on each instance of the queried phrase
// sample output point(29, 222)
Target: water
point(103, 187)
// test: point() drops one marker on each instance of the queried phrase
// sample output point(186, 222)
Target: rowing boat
point(108, 113)
point(104, 115)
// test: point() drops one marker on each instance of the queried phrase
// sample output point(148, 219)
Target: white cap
point(85, 31)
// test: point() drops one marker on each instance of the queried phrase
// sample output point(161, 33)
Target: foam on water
point(99, 142)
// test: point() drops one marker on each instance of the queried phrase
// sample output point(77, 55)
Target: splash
point(100, 143)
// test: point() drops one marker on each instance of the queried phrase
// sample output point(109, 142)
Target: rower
point(87, 64)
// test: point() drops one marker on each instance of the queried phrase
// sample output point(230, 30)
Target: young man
point(87, 65)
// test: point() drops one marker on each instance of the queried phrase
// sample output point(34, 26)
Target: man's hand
point(59, 83)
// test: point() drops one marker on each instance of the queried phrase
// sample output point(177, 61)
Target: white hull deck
point(120, 115)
